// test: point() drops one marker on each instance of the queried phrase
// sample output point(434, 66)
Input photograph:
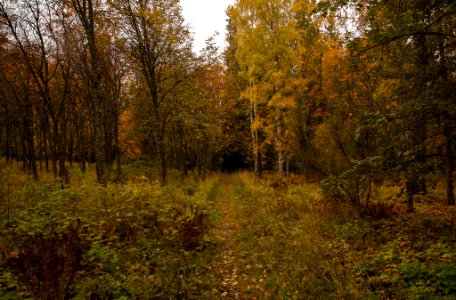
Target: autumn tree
point(421, 35)
point(160, 49)
point(236, 124)
point(266, 38)
point(35, 27)
point(409, 42)
point(87, 12)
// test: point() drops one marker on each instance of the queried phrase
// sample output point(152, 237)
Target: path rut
point(229, 231)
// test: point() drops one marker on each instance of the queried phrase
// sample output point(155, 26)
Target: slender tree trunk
point(86, 13)
point(40, 149)
point(33, 158)
point(412, 185)
point(280, 159)
point(119, 164)
point(23, 152)
point(160, 127)
point(8, 142)
point(446, 129)
point(162, 158)
point(100, 146)
point(2, 152)
point(71, 149)
point(369, 190)
point(63, 172)
point(28, 132)
point(182, 155)
point(44, 145)
point(450, 167)
point(46, 155)
point(16, 149)
point(82, 149)
point(255, 142)
point(54, 156)
point(117, 151)
point(356, 196)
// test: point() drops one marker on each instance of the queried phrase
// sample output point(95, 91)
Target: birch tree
point(266, 39)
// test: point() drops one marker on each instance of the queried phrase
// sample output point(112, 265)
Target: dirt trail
point(229, 231)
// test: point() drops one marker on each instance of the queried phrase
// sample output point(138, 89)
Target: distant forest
point(354, 93)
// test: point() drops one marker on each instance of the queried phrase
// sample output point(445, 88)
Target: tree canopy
point(353, 92)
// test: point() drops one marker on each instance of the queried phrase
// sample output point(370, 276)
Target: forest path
point(229, 230)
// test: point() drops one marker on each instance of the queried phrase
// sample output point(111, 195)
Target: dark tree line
point(61, 87)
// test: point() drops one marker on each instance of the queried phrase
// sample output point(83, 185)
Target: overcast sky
point(205, 17)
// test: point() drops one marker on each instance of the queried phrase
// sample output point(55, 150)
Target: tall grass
point(286, 248)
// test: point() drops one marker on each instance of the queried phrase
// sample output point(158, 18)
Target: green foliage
point(133, 240)
point(284, 244)
point(403, 257)
point(138, 240)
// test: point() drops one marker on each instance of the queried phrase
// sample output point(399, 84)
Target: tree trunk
point(60, 155)
point(280, 159)
point(182, 153)
point(412, 186)
point(71, 149)
point(23, 152)
point(16, 149)
point(2, 152)
point(369, 190)
point(8, 142)
point(100, 145)
point(86, 13)
point(54, 157)
point(44, 133)
point(447, 129)
point(450, 166)
point(28, 132)
point(255, 142)
point(162, 157)
point(356, 197)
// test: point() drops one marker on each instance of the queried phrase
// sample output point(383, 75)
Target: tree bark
point(85, 11)
point(8, 142)
point(450, 166)
point(30, 139)
point(280, 159)
point(255, 142)
point(412, 186)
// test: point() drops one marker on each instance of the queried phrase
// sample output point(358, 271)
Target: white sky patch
point(206, 17)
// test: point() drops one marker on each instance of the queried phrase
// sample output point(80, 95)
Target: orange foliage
point(128, 144)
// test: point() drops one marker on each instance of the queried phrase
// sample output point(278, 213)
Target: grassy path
point(270, 243)
point(229, 231)
point(284, 243)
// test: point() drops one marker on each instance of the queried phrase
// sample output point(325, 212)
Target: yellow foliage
point(256, 124)
point(323, 140)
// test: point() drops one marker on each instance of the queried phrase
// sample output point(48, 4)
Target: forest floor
point(231, 236)
point(229, 231)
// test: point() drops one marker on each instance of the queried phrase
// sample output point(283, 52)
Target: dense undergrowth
point(295, 245)
point(137, 240)
point(130, 240)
